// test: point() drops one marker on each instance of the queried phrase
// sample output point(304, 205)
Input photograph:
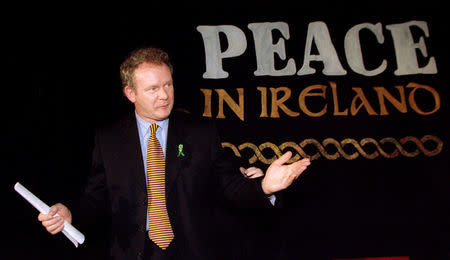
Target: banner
point(361, 91)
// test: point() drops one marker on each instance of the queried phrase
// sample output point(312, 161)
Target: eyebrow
point(156, 85)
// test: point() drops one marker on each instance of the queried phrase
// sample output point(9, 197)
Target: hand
point(279, 176)
point(55, 224)
point(252, 172)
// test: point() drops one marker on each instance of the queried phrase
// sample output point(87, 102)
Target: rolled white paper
point(69, 231)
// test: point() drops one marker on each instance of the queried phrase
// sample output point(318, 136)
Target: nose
point(163, 94)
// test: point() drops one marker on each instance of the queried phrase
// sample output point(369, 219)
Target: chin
point(164, 115)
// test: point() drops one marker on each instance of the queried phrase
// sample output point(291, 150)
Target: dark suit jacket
point(196, 184)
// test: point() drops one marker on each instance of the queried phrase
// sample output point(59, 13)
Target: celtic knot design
point(348, 148)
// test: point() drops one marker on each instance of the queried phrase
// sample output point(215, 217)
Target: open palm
point(280, 176)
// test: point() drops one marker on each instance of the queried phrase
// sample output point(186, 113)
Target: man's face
point(153, 96)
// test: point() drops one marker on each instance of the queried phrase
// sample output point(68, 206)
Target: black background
point(61, 80)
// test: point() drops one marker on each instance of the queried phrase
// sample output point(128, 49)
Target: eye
point(152, 89)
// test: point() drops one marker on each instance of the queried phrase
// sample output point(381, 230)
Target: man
point(175, 219)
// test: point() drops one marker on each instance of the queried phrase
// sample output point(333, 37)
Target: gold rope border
point(339, 148)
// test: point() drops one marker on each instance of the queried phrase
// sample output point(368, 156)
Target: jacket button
point(140, 255)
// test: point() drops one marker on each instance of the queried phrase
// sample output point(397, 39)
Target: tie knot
point(153, 128)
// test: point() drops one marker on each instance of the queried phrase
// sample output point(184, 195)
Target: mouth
point(165, 106)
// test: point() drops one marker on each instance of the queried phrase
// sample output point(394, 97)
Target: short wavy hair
point(150, 55)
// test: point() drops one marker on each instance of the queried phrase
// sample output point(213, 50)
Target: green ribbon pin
point(180, 150)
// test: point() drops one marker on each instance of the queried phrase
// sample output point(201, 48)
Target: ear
point(129, 93)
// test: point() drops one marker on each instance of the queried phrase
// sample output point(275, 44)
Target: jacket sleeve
point(93, 203)
point(233, 187)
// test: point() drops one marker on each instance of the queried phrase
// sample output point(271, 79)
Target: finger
point(302, 169)
point(254, 169)
point(297, 170)
point(283, 159)
point(57, 227)
point(242, 169)
point(43, 217)
point(305, 161)
point(302, 163)
point(251, 175)
point(250, 171)
point(53, 229)
point(51, 221)
point(254, 173)
point(53, 210)
point(254, 176)
point(291, 179)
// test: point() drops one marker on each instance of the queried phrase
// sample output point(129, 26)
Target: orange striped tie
point(160, 230)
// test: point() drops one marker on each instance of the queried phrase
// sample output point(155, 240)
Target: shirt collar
point(144, 126)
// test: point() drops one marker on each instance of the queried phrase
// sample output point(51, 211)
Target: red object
point(376, 258)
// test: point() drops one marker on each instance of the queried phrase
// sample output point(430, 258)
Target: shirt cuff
point(272, 199)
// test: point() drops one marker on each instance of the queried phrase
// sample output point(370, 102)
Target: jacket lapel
point(173, 162)
point(132, 150)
